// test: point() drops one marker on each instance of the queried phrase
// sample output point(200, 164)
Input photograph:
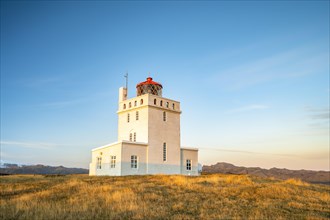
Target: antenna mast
point(126, 76)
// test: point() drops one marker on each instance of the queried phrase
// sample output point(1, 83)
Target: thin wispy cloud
point(321, 116)
point(318, 113)
point(316, 155)
point(44, 145)
point(61, 104)
point(77, 101)
point(318, 120)
point(245, 152)
point(288, 64)
point(248, 108)
point(32, 145)
point(13, 158)
point(39, 82)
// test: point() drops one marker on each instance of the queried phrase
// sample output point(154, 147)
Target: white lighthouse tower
point(148, 137)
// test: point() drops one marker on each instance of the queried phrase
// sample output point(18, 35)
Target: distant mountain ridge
point(305, 175)
point(221, 167)
point(39, 169)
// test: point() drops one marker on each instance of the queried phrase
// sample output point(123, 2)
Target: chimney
point(122, 94)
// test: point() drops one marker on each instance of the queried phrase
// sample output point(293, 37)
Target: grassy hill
point(39, 169)
point(283, 174)
point(216, 196)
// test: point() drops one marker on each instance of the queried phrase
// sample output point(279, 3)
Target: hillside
point(215, 196)
point(305, 175)
point(40, 169)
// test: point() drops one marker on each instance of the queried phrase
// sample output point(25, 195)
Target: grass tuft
point(296, 182)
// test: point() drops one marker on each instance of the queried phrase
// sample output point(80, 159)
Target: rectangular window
point(137, 115)
point(99, 163)
point(130, 137)
point(127, 117)
point(134, 137)
point(188, 165)
point(164, 152)
point(134, 162)
point(112, 161)
point(164, 116)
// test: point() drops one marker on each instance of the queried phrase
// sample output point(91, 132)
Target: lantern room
point(149, 87)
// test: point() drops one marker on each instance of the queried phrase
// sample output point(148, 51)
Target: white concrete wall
point(191, 154)
point(161, 132)
point(105, 152)
point(140, 126)
point(92, 169)
point(140, 151)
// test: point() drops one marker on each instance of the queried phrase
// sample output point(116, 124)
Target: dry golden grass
point(161, 197)
point(296, 182)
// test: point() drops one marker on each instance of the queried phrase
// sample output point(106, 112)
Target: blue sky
point(252, 77)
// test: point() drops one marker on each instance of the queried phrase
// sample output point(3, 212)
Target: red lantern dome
point(150, 87)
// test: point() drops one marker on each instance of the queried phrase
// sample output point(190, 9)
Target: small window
point(167, 104)
point(130, 137)
point(164, 152)
point(127, 117)
point(164, 116)
point(134, 162)
point(161, 103)
point(112, 161)
point(155, 101)
point(173, 105)
point(141, 102)
point(129, 105)
point(124, 107)
point(188, 165)
point(135, 103)
point(134, 136)
point(99, 163)
point(137, 115)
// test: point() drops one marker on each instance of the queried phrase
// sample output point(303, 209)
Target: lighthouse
point(148, 137)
